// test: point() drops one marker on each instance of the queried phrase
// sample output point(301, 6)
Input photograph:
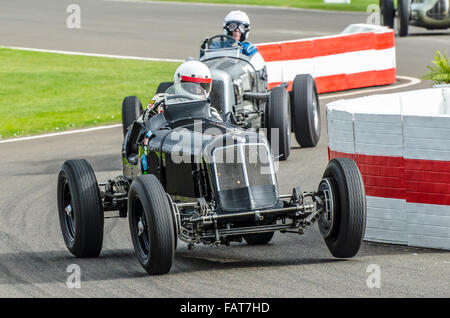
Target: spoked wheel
point(279, 117)
point(80, 209)
point(141, 229)
point(305, 110)
point(344, 222)
point(151, 224)
point(69, 215)
point(131, 110)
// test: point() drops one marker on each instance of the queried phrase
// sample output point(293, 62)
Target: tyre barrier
point(362, 55)
point(401, 144)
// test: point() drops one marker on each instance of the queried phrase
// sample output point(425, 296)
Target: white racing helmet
point(193, 79)
point(237, 19)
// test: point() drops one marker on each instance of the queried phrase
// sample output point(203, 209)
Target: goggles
point(195, 85)
point(234, 25)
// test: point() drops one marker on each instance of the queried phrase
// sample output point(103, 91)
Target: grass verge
point(47, 92)
point(355, 5)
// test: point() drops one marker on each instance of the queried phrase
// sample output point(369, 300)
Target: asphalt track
point(33, 257)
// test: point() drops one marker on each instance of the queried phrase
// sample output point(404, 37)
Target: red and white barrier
point(401, 144)
point(338, 62)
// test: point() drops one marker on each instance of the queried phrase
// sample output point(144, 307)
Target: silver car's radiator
point(222, 93)
point(217, 95)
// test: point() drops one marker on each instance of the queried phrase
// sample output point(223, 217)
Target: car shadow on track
point(51, 266)
point(428, 34)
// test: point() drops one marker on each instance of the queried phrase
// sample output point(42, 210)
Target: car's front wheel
point(387, 13)
point(402, 17)
point(305, 110)
point(80, 209)
point(151, 224)
point(279, 120)
point(343, 224)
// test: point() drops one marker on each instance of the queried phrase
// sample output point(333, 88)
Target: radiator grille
point(241, 166)
point(217, 95)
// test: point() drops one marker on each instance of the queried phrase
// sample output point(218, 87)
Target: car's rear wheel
point(163, 86)
point(151, 225)
point(259, 238)
point(343, 225)
point(131, 110)
point(387, 13)
point(279, 117)
point(403, 17)
point(80, 209)
point(306, 110)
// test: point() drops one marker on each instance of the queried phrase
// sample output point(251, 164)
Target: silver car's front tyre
point(345, 233)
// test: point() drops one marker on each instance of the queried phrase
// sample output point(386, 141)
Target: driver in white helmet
point(192, 79)
point(237, 25)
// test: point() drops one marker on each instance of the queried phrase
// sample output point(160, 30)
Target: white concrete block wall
point(427, 137)
point(371, 139)
point(386, 220)
point(412, 128)
point(342, 127)
point(428, 225)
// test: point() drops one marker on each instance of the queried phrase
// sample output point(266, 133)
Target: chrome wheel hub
point(68, 210)
point(140, 227)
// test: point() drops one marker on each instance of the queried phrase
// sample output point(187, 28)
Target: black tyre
point(151, 224)
point(258, 239)
point(306, 110)
point(387, 13)
point(403, 17)
point(131, 110)
point(279, 117)
point(344, 227)
point(162, 87)
point(80, 209)
point(174, 221)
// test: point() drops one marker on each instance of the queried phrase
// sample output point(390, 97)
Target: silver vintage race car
point(240, 91)
point(429, 14)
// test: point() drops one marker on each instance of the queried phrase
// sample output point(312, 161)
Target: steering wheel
point(222, 39)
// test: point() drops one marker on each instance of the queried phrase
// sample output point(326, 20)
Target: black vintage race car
point(240, 87)
point(191, 176)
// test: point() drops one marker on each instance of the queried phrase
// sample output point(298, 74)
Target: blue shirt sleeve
point(248, 48)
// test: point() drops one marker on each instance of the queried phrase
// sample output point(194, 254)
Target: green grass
point(355, 5)
point(44, 92)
